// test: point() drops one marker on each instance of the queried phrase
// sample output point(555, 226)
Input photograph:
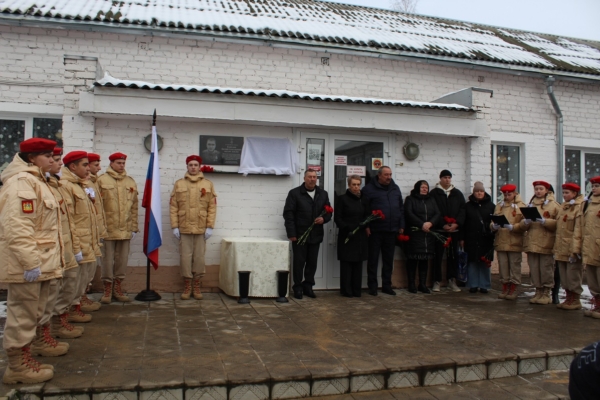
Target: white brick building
point(56, 55)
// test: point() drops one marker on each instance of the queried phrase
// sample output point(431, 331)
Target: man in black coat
point(383, 194)
point(451, 203)
point(303, 206)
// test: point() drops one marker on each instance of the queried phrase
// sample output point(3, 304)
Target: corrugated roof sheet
point(111, 82)
point(330, 23)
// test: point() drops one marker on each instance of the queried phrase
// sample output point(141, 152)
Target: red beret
point(117, 156)
point(508, 188)
point(542, 183)
point(571, 186)
point(58, 151)
point(193, 158)
point(37, 145)
point(74, 156)
point(93, 157)
point(595, 179)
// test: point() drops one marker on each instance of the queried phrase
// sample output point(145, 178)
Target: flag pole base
point(147, 295)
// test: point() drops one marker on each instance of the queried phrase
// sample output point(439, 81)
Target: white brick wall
point(519, 111)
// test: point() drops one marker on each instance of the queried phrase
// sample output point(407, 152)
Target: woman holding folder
point(538, 241)
point(509, 240)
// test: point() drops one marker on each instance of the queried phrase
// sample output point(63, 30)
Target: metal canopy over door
point(335, 157)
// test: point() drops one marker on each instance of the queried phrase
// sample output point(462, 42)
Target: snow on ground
point(586, 296)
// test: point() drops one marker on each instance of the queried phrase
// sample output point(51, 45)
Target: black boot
point(423, 277)
point(556, 287)
point(411, 272)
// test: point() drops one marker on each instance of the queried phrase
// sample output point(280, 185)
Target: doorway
point(335, 157)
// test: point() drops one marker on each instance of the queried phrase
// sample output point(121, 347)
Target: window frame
point(582, 152)
point(521, 147)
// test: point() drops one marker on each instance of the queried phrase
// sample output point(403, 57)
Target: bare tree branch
point(405, 6)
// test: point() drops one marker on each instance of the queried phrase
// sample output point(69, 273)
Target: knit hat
point(478, 187)
point(584, 373)
point(37, 145)
point(193, 158)
point(445, 173)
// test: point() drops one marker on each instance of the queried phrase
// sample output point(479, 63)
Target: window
point(14, 130)
point(580, 166)
point(506, 168)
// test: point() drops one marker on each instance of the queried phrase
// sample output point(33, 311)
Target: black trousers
point(451, 260)
point(351, 277)
point(304, 264)
point(384, 243)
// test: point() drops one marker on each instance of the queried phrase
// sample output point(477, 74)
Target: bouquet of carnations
point(487, 258)
point(376, 214)
point(438, 236)
point(302, 240)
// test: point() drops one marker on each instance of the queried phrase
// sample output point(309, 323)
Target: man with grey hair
point(304, 206)
point(383, 194)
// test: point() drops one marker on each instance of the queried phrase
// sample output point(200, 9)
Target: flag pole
point(148, 294)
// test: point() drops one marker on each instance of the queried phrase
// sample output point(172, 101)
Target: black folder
point(500, 220)
point(531, 213)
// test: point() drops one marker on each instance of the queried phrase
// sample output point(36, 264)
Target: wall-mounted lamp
point(148, 142)
point(411, 150)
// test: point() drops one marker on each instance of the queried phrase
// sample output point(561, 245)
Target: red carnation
point(449, 220)
point(207, 168)
point(378, 213)
point(329, 209)
point(403, 238)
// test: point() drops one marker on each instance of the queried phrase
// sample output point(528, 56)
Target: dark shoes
point(373, 292)
point(482, 290)
point(424, 289)
point(473, 290)
point(309, 292)
point(388, 291)
point(298, 294)
point(412, 288)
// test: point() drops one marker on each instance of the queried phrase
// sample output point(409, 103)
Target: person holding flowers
point(509, 241)
point(422, 214)
point(351, 211)
point(538, 241)
point(477, 239)
point(383, 194)
point(304, 214)
point(569, 265)
point(586, 244)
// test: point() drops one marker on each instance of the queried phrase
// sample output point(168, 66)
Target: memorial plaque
point(221, 150)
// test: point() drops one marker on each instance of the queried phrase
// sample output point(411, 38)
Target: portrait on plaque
point(221, 150)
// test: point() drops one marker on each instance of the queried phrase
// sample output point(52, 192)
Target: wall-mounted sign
point(376, 163)
point(221, 150)
point(316, 168)
point(341, 160)
point(356, 170)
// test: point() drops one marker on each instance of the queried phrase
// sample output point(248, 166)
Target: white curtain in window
point(270, 156)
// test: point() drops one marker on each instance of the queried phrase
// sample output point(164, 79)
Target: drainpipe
point(559, 135)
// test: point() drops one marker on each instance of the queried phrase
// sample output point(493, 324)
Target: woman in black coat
point(420, 211)
point(350, 210)
point(477, 238)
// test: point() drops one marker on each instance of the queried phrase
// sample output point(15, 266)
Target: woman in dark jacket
point(420, 211)
point(350, 210)
point(477, 239)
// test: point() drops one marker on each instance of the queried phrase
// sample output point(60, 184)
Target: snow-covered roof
point(322, 23)
point(111, 82)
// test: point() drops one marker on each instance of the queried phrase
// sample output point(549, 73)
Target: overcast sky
point(575, 18)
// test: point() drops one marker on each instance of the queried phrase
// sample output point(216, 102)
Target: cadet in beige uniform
point(586, 243)
point(509, 242)
point(72, 254)
point(31, 251)
point(120, 199)
point(538, 242)
point(93, 191)
point(74, 176)
point(193, 212)
point(571, 269)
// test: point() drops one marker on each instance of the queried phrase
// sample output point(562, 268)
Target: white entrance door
point(335, 157)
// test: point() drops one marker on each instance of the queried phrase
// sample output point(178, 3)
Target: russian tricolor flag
point(151, 202)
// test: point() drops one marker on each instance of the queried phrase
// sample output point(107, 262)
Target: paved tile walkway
point(325, 346)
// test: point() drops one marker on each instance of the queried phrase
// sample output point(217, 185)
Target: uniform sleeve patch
point(27, 206)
